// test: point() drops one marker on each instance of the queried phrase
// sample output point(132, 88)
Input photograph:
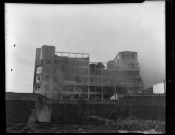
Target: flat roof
point(127, 52)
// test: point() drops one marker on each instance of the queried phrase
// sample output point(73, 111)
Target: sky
point(102, 30)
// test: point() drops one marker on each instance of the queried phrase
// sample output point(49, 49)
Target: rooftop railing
point(72, 55)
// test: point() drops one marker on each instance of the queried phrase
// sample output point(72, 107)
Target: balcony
point(72, 55)
point(129, 66)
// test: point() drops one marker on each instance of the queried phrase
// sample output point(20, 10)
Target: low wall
point(19, 106)
point(148, 112)
point(143, 107)
point(144, 100)
point(18, 110)
point(79, 112)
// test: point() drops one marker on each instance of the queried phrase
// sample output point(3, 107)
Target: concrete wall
point(143, 107)
point(18, 110)
point(22, 107)
point(146, 106)
point(43, 109)
point(144, 100)
point(79, 112)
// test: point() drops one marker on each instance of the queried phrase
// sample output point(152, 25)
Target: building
point(148, 90)
point(127, 70)
point(67, 75)
point(159, 88)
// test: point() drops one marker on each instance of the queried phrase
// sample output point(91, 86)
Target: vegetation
point(129, 125)
point(133, 124)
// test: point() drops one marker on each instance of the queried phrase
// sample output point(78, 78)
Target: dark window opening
point(37, 87)
point(38, 78)
point(133, 56)
point(41, 62)
point(47, 69)
point(55, 79)
point(47, 78)
point(55, 61)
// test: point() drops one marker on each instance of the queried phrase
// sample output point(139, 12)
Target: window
point(47, 69)
point(111, 82)
point(123, 57)
point(47, 78)
point(37, 87)
point(133, 56)
point(133, 66)
point(39, 70)
point(41, 55)
point(41, 62)
point(127, 57)
point(55, 79)
point(55, 69)
point(38, 79)
point(55, 61)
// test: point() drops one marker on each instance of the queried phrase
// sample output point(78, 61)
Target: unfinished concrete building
point(67, 75)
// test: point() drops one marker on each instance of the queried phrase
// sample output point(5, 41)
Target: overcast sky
point(102, 30)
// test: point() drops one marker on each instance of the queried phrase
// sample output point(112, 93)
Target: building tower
point(129, 72)
point(43, 72)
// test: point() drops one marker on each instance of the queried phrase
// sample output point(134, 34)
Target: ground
point(120, 126)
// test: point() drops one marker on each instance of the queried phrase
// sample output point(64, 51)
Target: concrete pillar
point(88, 92)
point(102, 93)
point(79, 94)
point(115, 93)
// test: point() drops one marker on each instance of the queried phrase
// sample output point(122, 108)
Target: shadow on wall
point(42, 110)
point(44, 114)
point(32, 117)
point(40, 115)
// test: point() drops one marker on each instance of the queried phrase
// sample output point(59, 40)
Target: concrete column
point(59, 93)
point(88, 93)
point(102, 93)
point(115, 93)
point(79, 94)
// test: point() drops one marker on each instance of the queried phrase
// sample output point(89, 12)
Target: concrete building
point(127, 71)
point(159, 88)
point(67, 75)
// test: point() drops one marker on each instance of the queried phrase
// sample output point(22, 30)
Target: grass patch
point(133, 124)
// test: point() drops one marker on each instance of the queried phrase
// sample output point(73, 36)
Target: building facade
point(67, 75)
point(159, 88)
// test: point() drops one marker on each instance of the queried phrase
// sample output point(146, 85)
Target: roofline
point(126, 51)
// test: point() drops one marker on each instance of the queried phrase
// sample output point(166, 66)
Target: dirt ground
point(67, 128)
